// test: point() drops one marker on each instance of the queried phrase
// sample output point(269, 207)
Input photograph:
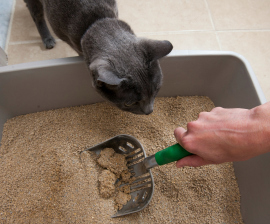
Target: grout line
point(174, 32)
point(25, 42)
point(235, 31)
point(30, 42)
point(210, 15)
point(199, 31)
point(159, 33)
point(10, 26)
point(213, 24)
point(243, 30)
point(218, 41)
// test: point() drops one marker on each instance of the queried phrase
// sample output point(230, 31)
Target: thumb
point(179, 133)
point(193, 161)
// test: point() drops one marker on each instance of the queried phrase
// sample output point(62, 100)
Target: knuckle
point(187, 143)
point(193, 125)
point(190, 125)
point(203, 114)
point(217, 109)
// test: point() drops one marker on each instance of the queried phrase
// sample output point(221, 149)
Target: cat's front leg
point(36, 10)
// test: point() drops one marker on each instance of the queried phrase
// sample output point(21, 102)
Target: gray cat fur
point(124, 67)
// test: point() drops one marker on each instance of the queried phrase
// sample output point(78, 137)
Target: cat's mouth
point(139, 111)
point(142, 113)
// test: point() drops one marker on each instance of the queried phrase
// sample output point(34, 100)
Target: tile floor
point(242, 26)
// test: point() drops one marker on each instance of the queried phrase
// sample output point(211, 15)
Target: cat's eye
point(129, 104)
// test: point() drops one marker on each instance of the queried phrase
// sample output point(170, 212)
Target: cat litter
point(46, 178)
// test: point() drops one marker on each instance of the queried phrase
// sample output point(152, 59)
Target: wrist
point(260, 120)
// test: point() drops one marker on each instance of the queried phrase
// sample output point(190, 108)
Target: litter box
point(225, 77)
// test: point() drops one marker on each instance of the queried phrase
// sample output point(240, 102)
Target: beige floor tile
point(255, 47)
point(143, 16)
point(21, 53)
point(165, 15)
point(190, 40)
point(240, 14)
point(23, 27)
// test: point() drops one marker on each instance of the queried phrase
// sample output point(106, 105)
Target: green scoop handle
point(171, 154)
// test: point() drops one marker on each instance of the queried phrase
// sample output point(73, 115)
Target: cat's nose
point(148, 110)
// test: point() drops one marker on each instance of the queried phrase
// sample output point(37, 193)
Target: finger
point(179, 134)
point(217, 110)
point(193, 161)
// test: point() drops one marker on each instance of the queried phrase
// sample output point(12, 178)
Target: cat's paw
point(49, 42)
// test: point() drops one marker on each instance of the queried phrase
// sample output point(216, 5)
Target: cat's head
point(131, 83)
point(126, 71)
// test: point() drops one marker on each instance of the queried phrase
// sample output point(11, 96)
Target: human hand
point(225, 135)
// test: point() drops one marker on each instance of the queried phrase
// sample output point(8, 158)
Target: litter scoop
point(142, 188)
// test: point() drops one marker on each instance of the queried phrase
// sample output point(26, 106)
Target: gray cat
point(124, 67)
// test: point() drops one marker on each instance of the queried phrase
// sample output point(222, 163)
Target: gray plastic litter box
point(225, 77)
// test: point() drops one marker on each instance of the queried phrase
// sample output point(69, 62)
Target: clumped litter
point(46, 179)
point(113, 161)
point(107, 181)
point(115, 168)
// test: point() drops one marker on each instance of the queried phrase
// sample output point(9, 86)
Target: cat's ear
point(103, 75)
point(156, 48)
point(107, 77)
